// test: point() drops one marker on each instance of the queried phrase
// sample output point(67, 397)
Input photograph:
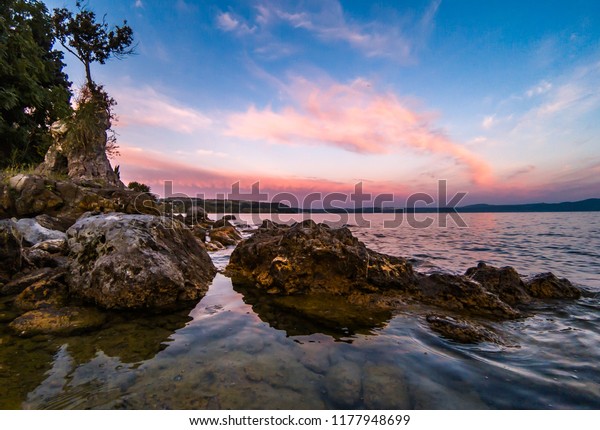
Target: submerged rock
point(549, 286)
point(63, 321)
point(343, 382)
point(460, 330)
point(136, 262)
point(385, 387)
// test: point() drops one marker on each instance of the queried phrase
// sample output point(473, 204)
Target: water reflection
point(303, 315)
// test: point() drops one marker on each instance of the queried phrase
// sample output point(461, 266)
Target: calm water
point(234, 350)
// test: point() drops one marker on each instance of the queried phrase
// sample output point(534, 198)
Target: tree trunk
point(88, 75)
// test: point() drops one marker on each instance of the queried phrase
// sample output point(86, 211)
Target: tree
point(91, 41)
point(34, 91)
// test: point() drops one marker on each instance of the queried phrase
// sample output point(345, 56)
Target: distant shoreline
point(241, 206)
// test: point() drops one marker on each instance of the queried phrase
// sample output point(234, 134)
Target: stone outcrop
point(121, 261)
point(310, 260)
point(57, 204)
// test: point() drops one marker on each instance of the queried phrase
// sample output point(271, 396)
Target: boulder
point(223, 222)
point(308, 258)
point(63, 321)
point(10, 248)
point(125, 261)
point(33, 233)
point(42, 294)
point(6, 201)
point(195, 215)
point(504, 281)
point(549, 286)
point(226, 235)
point(460, 330)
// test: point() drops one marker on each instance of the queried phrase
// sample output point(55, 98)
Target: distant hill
point(580, 206)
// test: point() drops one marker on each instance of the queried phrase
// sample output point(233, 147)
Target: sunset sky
point(500, 98)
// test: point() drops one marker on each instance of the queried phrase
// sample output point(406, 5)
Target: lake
point(236, 351)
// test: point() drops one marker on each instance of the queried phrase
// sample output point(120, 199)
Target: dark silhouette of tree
point(89, 40)
point(34, 91)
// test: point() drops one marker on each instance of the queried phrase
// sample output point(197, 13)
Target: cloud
point(211, 153)
point(488, 121)
point(541, 88)
point(146, 106)
point(327, 21)
point(353, 117)
point(139, 4)
point(227, 22)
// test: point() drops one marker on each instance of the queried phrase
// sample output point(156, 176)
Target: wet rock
point(385, 387)
point(213, 246)
point(308, 258)
point(224, 222)
point(343, 384)
point(460, 330)
point(461, 294)
point(32, 232)
point(24, 280)
point(226, 235)
point(504, 281)
point(63, 321)
point(549, 286)
point(10, 248)
point(42, 294)
point(137, 262)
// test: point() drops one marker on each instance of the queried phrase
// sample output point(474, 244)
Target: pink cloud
point(147, 107)
point(355, 118)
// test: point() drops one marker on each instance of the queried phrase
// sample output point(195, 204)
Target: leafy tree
point(139, 187)
point(34, 91)
point(91, 41)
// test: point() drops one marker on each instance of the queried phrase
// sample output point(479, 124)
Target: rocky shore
point(71, 251)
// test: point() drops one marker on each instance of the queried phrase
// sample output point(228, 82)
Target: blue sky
point(501, 98)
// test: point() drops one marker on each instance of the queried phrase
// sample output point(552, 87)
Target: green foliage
point(92, 118)
point(91, 41)
point(136, 186)
point(34, 91)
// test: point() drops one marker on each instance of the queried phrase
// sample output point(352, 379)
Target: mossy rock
point(61, 322)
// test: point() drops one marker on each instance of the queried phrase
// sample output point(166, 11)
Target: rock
point(461, 294)
point(199, 233)
point(137, 262)
point(10, 248)
point(223, 222)
point(63, 321)
point(308, 258)
point(53, 246)
point(38, 258)
point(226, 236)
point(6, 201)
point(34, 233)
point(52, 223)
point(504, 281)
point(548, 286)
point(34, 195)
point(195, 215)
point(343, 384)
point(213, 246)
point(385, 387)
point(460, 330)
point(24, 280)
point(42, 294)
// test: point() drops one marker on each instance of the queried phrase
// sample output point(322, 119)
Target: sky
point(499, 98)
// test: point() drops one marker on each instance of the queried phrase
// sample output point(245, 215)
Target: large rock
point(460, 330)
point(136, 262)
point(308, 258)
point(226, 235)
point(10, 248)
point(57, 204)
